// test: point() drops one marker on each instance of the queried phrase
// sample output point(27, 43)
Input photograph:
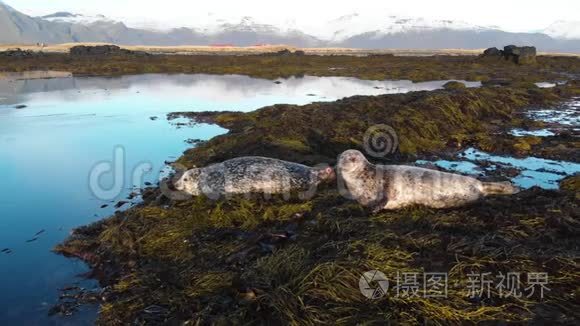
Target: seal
point(253, 174)
point(395, 186)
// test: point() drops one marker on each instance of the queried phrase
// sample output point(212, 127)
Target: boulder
point(17, 53)
point(299, 52)
point(522, 55)
point(101, 50)
point(490, 52)
point(284, 52)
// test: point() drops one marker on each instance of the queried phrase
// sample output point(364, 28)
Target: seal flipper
point(499, 188)
point(379, 204)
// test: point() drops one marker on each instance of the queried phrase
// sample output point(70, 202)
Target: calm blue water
point(73, 125)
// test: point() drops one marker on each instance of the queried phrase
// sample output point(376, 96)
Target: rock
point(17, 53)
point(21, 106)
point(284, 52)
point(194, 141)
point(83, 50)
point(454, 85)
point(522, 55)
point(496, 82)
point(153, 118)
point(492, 52)
point(299, 52)
point(121, 204)
point(278, 82)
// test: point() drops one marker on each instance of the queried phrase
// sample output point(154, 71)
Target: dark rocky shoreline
point(109, 61)
point(278, 262)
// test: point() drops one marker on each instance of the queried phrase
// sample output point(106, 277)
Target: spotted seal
point(395, 186)
point(253, 174)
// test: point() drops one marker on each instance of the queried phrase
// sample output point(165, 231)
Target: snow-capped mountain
point(371, 30)
point(242, 24)
point(354, 24)
point(568, 30)
point(67, 17)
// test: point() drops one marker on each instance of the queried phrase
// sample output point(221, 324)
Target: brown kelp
point(377, 67)
point(276, 261)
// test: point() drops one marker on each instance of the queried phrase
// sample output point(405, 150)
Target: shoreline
point(273, 66)
point(266, 49)
point(158, 233)
point(36, 74)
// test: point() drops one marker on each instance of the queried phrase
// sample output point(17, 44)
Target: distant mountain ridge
point(359, 30)
point(67, 17)
point(569, 30)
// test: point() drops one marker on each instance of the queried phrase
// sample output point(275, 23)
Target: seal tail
point(499, 188)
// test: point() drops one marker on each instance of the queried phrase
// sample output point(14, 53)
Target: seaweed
point(272, 66)
point(278, 261)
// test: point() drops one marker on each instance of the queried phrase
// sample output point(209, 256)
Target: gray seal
point(395, 186)
point(253, 174)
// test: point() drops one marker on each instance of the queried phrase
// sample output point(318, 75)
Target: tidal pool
point(537, 133)
point(69, 130)
point(566, 115)
point(533, 171)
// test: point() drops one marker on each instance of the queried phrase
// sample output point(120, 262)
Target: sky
point(509, 15)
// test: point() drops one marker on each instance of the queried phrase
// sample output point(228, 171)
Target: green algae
point(424, 123)
point(223, 272)
point(270, 66)
point(279, 261)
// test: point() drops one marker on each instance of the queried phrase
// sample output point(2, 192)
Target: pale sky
point(510, 15)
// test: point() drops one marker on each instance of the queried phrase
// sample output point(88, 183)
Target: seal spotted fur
point(396, 186)
point(253, 174)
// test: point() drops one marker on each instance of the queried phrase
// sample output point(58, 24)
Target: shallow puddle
point(532, 171)
point(537, 133)
point(565, 117)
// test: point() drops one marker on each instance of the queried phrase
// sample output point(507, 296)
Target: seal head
point(351, 161)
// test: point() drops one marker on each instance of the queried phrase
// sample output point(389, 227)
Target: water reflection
point(234, 91)
point(48, 148)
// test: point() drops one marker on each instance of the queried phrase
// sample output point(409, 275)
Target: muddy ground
point(276, 261)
